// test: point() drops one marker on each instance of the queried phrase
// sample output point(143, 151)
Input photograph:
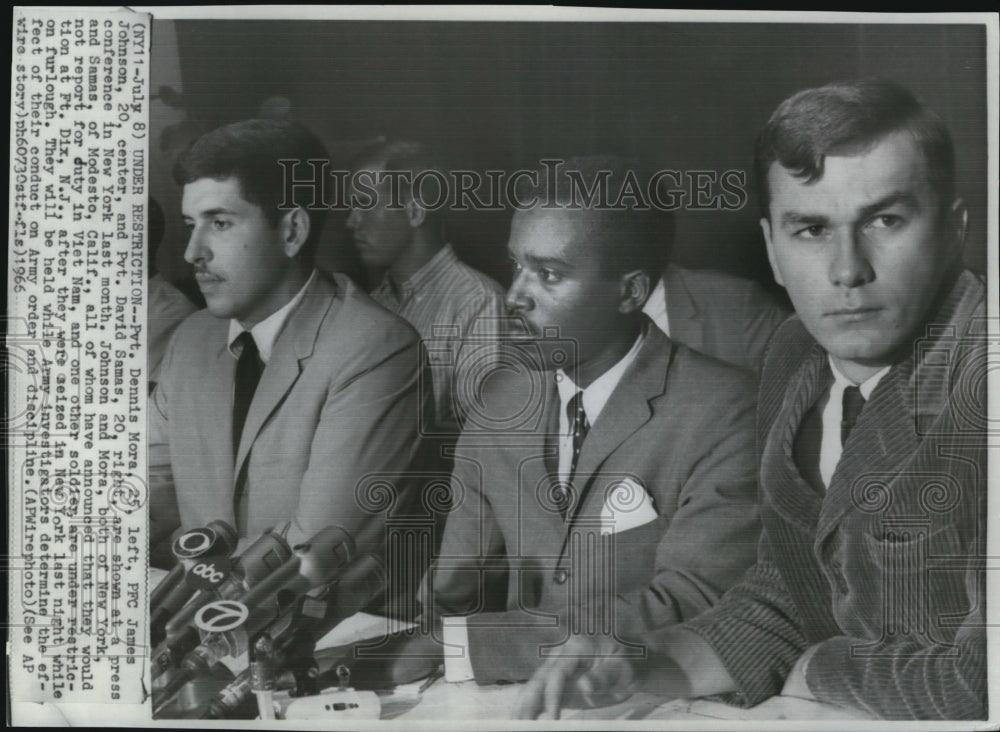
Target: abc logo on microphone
point(206, 575)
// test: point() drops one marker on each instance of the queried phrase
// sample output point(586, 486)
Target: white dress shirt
point(266, 332)
point(656, 307)
point(595, 397)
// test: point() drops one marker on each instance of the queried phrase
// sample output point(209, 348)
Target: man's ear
point(634, 290)
point(294, 227)
point(956, 227)
point(415, 213)
point(765, 227)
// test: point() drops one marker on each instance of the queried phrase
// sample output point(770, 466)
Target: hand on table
point(588, 671)
point(415, 658)
point(795, 682)
point(404, 658)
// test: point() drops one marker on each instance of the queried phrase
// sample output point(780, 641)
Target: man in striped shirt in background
point(450, 304)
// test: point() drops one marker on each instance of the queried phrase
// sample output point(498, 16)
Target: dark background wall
point(503, 95)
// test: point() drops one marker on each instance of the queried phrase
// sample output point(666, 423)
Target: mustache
point(516, 325)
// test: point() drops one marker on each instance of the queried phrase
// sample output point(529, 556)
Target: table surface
point(467, 700)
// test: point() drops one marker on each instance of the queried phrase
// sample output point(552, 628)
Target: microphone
point(214, 541)
point(322, 610)
point(351, 593)
point(257, 562)
point(228, 625)
point(320, 560)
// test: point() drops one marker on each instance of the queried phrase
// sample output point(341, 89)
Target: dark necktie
point(249, 367)
point(579, 426)
point(853, 404)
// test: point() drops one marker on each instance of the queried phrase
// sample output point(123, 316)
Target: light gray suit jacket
point(680, 425)
point(337, 401)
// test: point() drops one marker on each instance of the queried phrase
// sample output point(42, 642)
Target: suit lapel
point(682, 313)
point(913, 392)
point(550, 423)
point(882, 438)
point(215, 402)
point(626, 411)
point(294, 346)
point(790, 505)
point(537, 470)
point(787, 491)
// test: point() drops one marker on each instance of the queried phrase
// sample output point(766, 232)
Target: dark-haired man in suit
point(290, 387)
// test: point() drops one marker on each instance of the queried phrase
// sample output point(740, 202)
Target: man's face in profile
point(239, 258)
point(560, 280)
point(863, 250)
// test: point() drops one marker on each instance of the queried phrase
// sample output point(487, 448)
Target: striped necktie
point(579, 426)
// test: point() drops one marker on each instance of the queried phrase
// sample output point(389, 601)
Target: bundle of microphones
point(260, 612)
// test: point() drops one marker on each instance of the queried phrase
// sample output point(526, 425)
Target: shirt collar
point(597, 394)
point(656, 307)
point(841, 382)
point(266, 332)
point(440, 262)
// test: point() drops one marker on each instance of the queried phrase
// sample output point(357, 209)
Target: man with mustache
point(869, 586)
point(290, 387)
point(610, 477)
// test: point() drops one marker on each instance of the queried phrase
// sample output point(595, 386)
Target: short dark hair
point(249, 151)
point(850, 117)
point(634, 235)
point(397, 154)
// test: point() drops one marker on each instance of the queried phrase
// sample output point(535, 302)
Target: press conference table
point(470, 701)
point(444, 701)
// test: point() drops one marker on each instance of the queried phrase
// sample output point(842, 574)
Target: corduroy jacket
point(885, 571)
